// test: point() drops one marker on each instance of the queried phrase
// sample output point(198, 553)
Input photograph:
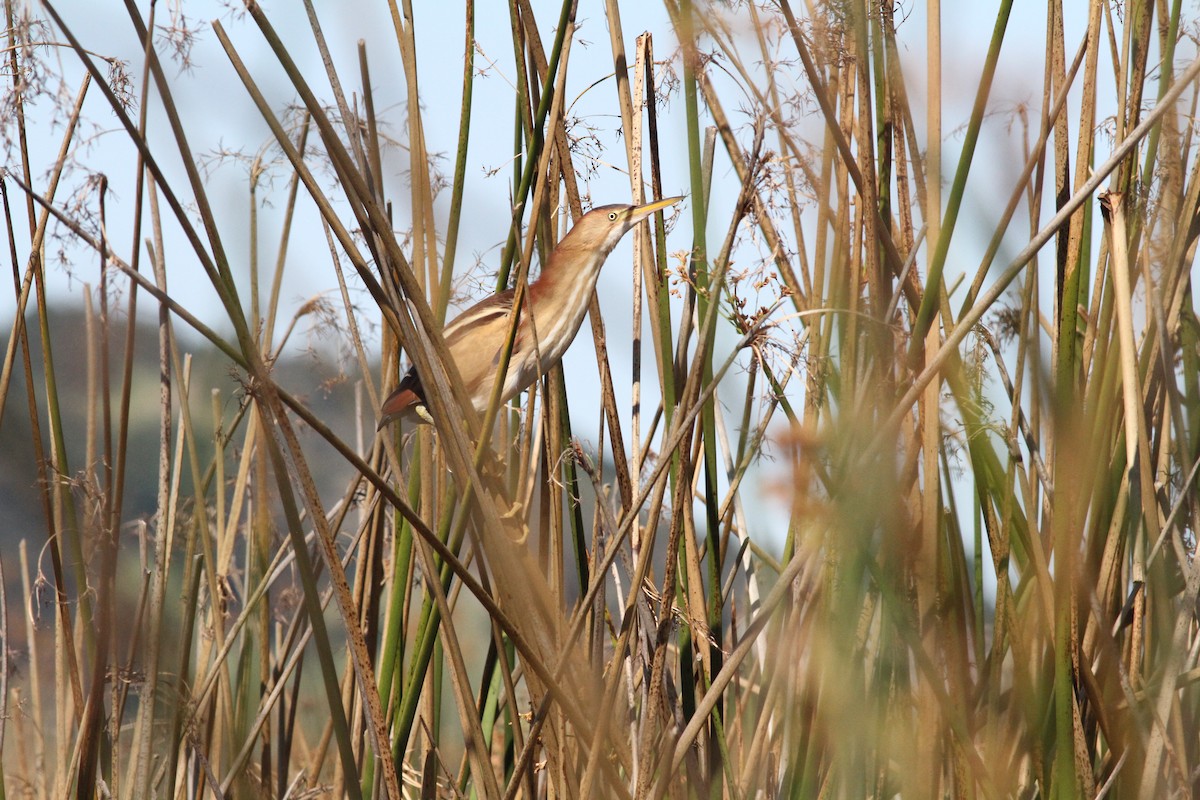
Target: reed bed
point(985, 435)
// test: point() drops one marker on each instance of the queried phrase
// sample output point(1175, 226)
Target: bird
point(551, 315)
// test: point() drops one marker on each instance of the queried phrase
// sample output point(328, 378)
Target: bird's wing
point(489, 311)
point(486, 321)
point(476, 338)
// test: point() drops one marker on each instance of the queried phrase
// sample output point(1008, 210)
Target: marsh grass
point(986, 582)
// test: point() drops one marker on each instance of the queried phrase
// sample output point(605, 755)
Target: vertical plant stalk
point(1071, 277)
point(642, 251)
point(931, 497)
point(163, 523)
point(3, 670)
point(460, 163)
point(1137, 465)
point(708, 292)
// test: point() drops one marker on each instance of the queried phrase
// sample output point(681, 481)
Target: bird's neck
point(559, 298)
point(569, 274)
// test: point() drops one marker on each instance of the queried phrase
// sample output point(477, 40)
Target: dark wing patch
point(410, 382)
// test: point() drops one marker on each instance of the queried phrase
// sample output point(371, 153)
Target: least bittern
point(551, 315)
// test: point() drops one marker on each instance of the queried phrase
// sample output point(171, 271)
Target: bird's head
point(599, 230)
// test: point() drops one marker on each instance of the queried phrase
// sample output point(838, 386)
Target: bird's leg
point(511, 513)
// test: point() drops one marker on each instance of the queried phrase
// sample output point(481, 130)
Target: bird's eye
point(612, 216)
